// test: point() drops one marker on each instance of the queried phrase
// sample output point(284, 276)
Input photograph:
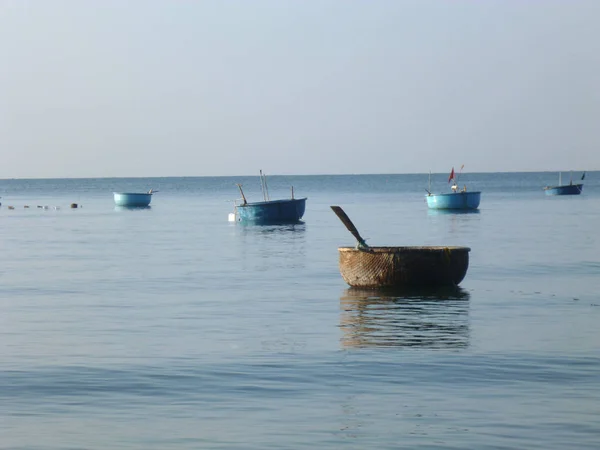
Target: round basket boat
point(132, 199)
point(377, 267)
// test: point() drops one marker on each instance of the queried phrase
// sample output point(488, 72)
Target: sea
point(172, 328)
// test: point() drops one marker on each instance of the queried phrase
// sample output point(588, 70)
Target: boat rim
point(453, 193)
point(424, 248)
point(562, 186)
point(270, 202)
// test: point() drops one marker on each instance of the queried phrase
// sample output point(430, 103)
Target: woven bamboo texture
point(403, 266)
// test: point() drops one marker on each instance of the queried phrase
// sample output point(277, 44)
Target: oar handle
point(349, 225)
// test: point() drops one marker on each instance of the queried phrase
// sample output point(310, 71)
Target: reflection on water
point(246, 228)
point(442, 212)
point(272, 247)
point(132, 208)
point(455, 222)
point(432, 318)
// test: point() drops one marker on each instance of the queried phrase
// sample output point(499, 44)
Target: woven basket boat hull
point(403, 266)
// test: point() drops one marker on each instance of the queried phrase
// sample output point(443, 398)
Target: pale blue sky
point(166, 88)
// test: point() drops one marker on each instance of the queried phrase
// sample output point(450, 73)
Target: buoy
point(232, 217)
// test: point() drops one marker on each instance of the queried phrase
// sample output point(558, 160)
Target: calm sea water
point(172, 328)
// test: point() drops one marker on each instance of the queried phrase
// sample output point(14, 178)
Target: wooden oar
point(362, 245)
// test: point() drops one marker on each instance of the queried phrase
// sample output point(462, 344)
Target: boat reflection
point(434, 318)
point(271, 247)
point(455, 222)
point(284, 228)
point(132, 208)
point(443, 212)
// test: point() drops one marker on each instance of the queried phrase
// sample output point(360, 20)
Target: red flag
point(451, 175)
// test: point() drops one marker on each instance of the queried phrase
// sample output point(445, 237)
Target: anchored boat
point(567, 189)
point(459, 199)
point(384, 267)
point(268, 211)
point(133, 199)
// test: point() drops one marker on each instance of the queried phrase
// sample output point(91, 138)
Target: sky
point(229, 87)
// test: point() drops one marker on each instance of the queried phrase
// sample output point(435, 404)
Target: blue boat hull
point(132, 199)
point(454, 200)
point(569, 189)
point(271, 212)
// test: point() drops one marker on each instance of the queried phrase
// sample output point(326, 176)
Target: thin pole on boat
point(267, 189)
point(559, 178)
point(242, 192)
point(292, 192)
point(263, 186)
point(429, 190)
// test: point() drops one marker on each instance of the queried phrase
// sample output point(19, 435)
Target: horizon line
point(280, 175)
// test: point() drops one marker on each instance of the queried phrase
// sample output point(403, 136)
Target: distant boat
point(456, 199)
point(566, 189)
point(268, 211)
point(133, 199)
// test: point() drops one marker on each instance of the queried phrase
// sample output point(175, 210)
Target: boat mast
point(262, 186)
point(429, 190)
point(560, 178)
point(267, 189)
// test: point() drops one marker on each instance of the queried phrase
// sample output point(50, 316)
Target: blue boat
point(133, 199)
point(272, 212)
point(268, 211)
point(566, 189)
point(454, 200)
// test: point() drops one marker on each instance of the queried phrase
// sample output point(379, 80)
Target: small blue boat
point(133, 199)
point(458, 200)
point(567, 189)
point(272, 212)
point(268, 211)
point(454, 200)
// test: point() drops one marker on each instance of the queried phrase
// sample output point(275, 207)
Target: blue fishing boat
point(133, 199)
point(456, 199)
point(268, 211)
point(567, 189)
